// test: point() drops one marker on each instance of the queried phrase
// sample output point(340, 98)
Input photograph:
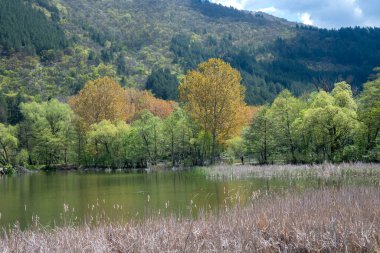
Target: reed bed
point(327, 220)
point(325, 170)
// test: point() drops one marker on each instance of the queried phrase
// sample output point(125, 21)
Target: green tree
point(284, 111)
point(24, 27)
point(105, 140)
point(149, 128)
point(369, 114)
point(8, 143)
point(3, 109)
point(178, 131)
point(235, 148)
point(48, 131)
point(135, 149)
point(100, 139)
point(331, 121)
point(259, 138)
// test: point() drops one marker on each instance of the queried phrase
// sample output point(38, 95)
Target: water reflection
point(125, 196)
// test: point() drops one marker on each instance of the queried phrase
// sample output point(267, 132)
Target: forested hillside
point(23, 27)
point(50, 48)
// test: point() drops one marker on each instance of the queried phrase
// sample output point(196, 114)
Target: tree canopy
point(102, 99)
point(214, 98)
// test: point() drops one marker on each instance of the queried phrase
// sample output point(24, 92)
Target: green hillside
point(135, 41)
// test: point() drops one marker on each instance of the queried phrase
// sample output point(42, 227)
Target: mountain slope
point(22, 26)
point(131, 39)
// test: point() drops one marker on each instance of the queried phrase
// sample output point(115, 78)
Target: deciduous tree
point(214, 98)
point(259, 136)
point(102, 99)
point(149, 128)
point(140, 100)
point(369, 113)
point(8, 143)
point(331, 121)
point(284, 110)
point(47, 131)
point(177, 129)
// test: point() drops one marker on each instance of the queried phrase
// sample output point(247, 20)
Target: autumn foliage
point(105, 99)
point(110, 126)
point(252, 111)
point(102, 99)
point(140, 100)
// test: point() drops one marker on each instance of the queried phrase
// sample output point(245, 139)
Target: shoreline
point(222, 171)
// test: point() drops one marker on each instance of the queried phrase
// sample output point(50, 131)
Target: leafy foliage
point(47, 132)
point(259, 138)
point(214, 98)
point(102, 99)
point(139, 101)
point(369, 114)
point(321, 127)
point(329, 125)
point(284, 111)
point(8, 143)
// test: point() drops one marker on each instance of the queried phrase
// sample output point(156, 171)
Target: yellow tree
point(102, 99)
point(214, 98)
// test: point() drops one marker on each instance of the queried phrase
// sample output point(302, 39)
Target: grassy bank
point(328, 220)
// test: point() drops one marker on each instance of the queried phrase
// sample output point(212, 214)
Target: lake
point(49, 197)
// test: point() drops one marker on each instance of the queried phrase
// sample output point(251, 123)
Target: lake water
point(123, 196)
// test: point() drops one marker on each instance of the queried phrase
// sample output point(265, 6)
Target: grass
point(326, 170)
point(327, 220)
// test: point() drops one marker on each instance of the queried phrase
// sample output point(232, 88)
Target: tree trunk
point(172, 147)
point(155, 145)
point(213, 148)
point(6, 157)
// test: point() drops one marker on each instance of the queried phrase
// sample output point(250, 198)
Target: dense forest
point(148, 46)
point(108, 126)
point(22, 27)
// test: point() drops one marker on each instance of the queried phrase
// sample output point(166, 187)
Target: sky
point(320, 13)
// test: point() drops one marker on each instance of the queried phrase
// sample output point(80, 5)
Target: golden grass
point(327, 220)
point(325, 170)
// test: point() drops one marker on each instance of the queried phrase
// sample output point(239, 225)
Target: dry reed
point(326, 170)
point(326, 220)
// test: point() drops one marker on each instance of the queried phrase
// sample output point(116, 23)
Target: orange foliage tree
point(251, 112)
point(140, 100)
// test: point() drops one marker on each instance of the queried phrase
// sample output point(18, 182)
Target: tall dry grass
point(328, 220)
point(326, 170)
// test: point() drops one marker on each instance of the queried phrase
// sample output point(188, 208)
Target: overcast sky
point(321, 13)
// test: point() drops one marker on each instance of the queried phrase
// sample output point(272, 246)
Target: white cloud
point(232, 3)
point(322, 13)
point(305, 18)
point(270, 10)
point(358, 12)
